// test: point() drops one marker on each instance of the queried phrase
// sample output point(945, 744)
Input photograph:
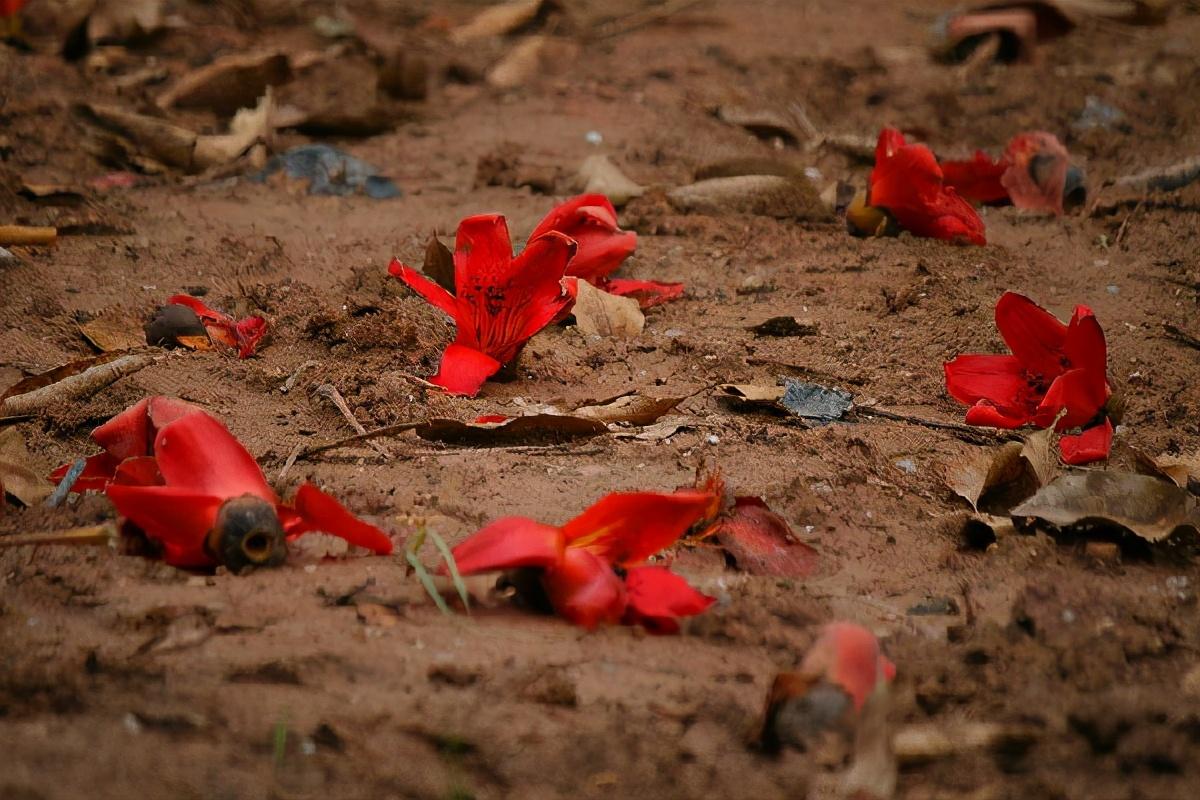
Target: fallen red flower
point(908, 183)
point(500, 301)
point(241, 335)
point(1031, 174)
point(592, 568)
point(591, 220)
point(847, 655)
point(183, 480)
point(1056, 372)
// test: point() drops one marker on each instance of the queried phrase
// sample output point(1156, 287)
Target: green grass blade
point(426, 581)
point(451, 565)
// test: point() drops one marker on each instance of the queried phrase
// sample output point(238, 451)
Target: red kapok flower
point(908, 183)
point(592, 567)
point(242, 335)
point(591, 220)
point(1056, 372)
point(500, 301)
point(178, 475)
point(1031, 174)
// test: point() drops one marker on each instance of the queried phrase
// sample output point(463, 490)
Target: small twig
point(290, 383)
point(1163, 179)
point(1181, 336)
point(647, 16)
point(90, 381)
point(64, 486)
point(297, 451)
point(1125, 222)
point(330, 392)
point(26, 235)
point(968, 432)
point(91, 535)
point(386, 430)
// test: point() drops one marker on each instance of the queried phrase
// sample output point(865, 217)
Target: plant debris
point(18, 478)
point(598, 313)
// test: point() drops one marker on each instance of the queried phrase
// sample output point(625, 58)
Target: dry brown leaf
point(761, 195)
point(631, 409)
point(52, 376)
point(518, 430)
point(18, 476)
point(499, 20)
point(1150, 508)
point(439, 264)
point(229, 83)
point(598, 175)
point(160, 140)
point(753, 394)
point(925, 742)
point(765, 123)
point(657, 432)
point(532, 56)
point(113, 331)
point(113, 21)
point(1011, 472)
point(249, 126)
point(599, 313)
point(1183, 470)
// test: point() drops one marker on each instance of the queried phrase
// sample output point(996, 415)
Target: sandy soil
point(122, 677)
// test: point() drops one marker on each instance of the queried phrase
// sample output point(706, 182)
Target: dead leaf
point(922, 743)
point(764, 123)
point(784, 326)
point(659, 431)
point(229, 83)
point(598, 175)
point(761, 195)
point(162, 141)
point(18, 476)
point(752, 394)
point(599, 313)
point(1005, 475)
point(439, 264)
point(750, 165)
point(52, 376)
point(534, 55)
point(249, 126)
point(1150, 508)
point(517, 430)
point(1183, 470)
point(762, 543)
point(113, 331)
point(116, 21)
point(51, 194)
point(499, 20)
point(633, 409)
point(979, 531)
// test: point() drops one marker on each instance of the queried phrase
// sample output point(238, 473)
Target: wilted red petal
point(131, 433)
point(584, 589)
point(848, 655)
point(657, 598)
point(1037, 171)
point(138, 471)
point(988, 415)
point(199, 454)
point(242, 336)
point(322, 512)
point(1033, 334)
point(509, 543)
point(647, 293)
point(435, 295)
point(591, 221)
point(464, 370)
point(762, 543)
point(1093, 444)
point(491, 419)
point(1000, 380)
point(1078, 392)
point(977, 179)
point(178, 519)
point(629, 528)
point(203, 311)
point(249, 332)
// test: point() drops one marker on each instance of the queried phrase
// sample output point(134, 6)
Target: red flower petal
point(977, 179)
point(848, 655)
point(1078, 392)
point(647, 293)
point(988, 415)
point(1034, 335)
point(97, 472)
point(435, 295)
point(584, 589)
point(1085, 346)
point(999, 380)
point(629, 528)
point(535, 296)
point(1037, 171)
point(482, 253)
point(1093, 444)
point(591, 221)
point(198, 454)
point(242, 336)
point(178, 519)
point(322, 512)
point(658, 597)
point(131, 433)
point(509, 543)
point(762, 543)
point(464, 370)
point(138, 471)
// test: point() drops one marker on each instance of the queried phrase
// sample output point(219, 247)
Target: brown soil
point(121, 677)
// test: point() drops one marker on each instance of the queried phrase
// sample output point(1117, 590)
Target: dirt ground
point(122, 677)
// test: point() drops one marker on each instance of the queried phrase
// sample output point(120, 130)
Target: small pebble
point(1113, 288)
point(713, 439)
point(907, 465)
point(593, 137)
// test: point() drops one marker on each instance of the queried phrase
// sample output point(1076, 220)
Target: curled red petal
point(762, 543)
point(464, 370)
point(249, 332)
point(1033, 334)
point(1000, 380)
point(205, 312)
point(584, 590)
point(1093, 444)
point(563, 216)
point(591, 221)
point(1085, 346)
point(628, 528)
point(647, 293)
point(319, 511)
point(1076, 391)
point(131, 433)
point(848, 655)
point(435, 295)
point(1036, 172)
point(97, 472)
point(178, 519)
point(509, 543)
point(138, 471)
point(986, 414)
point(657, 598)
point(242, 336)
point(199, 454)
point(977, 179)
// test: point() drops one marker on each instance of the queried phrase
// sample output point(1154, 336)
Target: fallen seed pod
point(247, 534)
